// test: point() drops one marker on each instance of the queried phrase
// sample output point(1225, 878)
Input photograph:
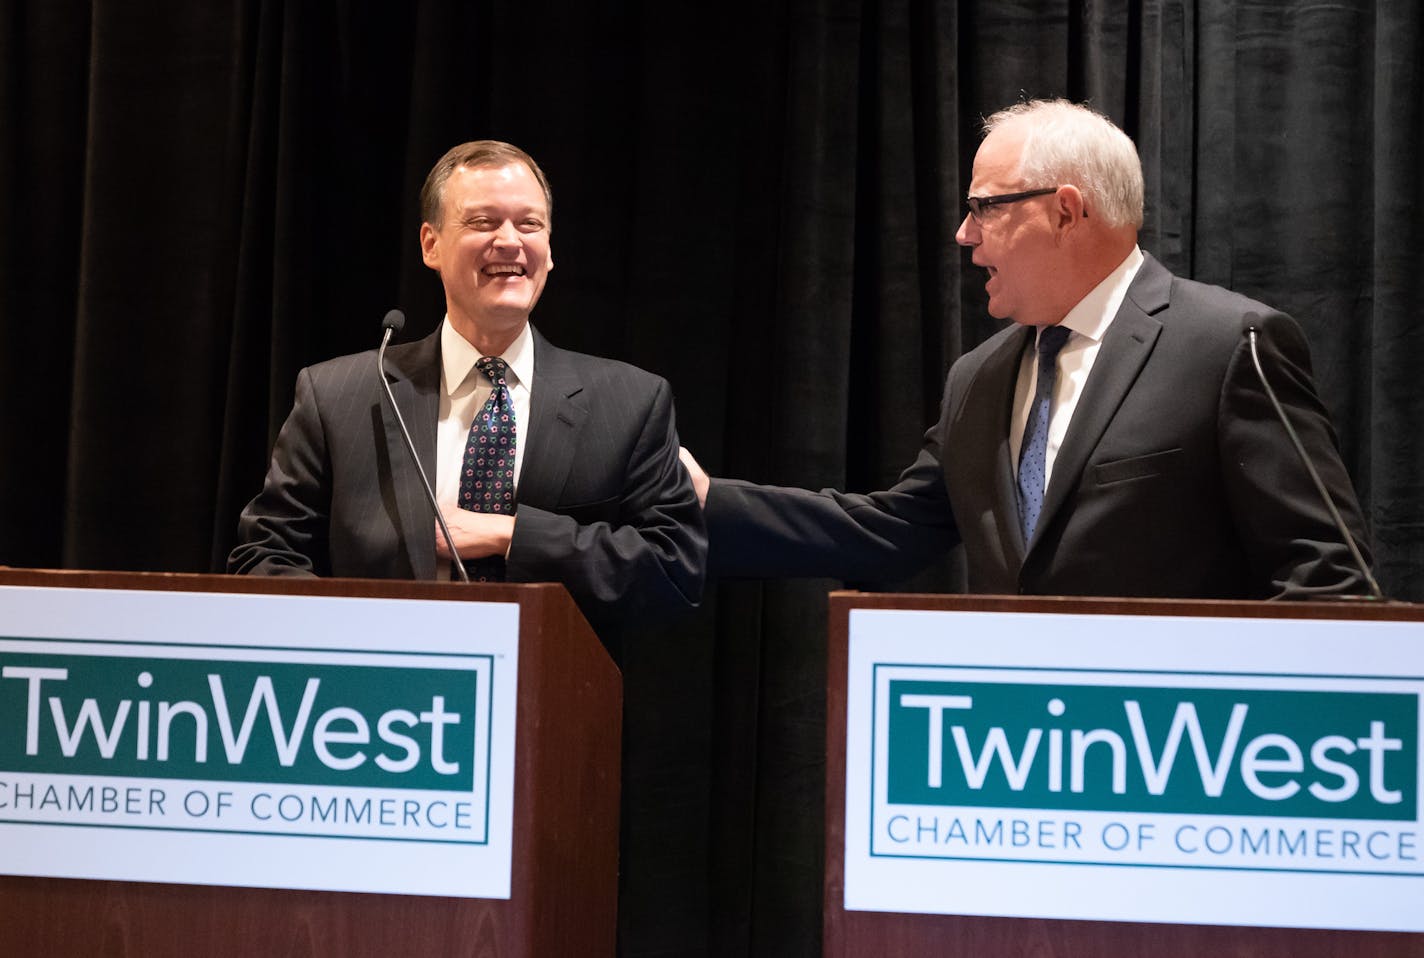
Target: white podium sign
point(341, 744)
point(1123, 768)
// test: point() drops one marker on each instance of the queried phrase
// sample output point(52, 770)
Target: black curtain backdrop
point(755, 200)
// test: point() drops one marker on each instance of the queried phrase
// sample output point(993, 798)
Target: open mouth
point(503, 269)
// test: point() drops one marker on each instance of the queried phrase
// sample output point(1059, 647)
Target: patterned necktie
point(487, 473)
point(1033, 454)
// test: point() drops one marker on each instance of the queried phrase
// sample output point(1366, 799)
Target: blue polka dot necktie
point(487, 472)
point(1033, 454)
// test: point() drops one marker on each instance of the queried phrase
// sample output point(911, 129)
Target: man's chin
point(509, 315)
point(516, 304)
point(495, 322)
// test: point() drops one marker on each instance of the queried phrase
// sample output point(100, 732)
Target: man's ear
point(1069, 208)
point(430, 246)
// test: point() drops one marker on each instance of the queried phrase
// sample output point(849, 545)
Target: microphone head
point(1250, 323)
point(394, 320)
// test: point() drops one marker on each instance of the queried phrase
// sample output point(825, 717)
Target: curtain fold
point(1389, 448)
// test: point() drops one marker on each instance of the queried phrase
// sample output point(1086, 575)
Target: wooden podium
point(565, 828)
point(856, 933)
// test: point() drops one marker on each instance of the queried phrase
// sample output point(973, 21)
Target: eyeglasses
point(978, 204)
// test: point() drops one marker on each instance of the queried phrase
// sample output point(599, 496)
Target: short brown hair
point(477, 153)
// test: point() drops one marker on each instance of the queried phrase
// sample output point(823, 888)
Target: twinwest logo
point(1315, 754)
point(215, 720)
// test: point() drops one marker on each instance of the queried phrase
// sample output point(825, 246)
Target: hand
point(476, 534)
point(701, 482)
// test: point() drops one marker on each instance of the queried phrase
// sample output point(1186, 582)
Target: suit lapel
point(1126, 346)
point(983, 423)
point(558, 408)
point(413, 372)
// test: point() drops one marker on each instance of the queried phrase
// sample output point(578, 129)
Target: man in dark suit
point(1114, 440)
point(549, 465)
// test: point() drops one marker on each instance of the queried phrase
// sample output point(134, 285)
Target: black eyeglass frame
point(978, 204)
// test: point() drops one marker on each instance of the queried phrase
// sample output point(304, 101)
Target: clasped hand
point(700, 480)
point(476, 534)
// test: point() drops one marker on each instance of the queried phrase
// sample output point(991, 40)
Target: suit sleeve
point(775, 531)
point(1287, 532)
point(284, 530)
point(651, 561)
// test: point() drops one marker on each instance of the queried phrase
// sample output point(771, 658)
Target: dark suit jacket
point(1175, 478)
point(604, 506)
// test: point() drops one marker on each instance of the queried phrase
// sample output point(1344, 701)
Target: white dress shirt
point(1087, 323)
point(463, 391)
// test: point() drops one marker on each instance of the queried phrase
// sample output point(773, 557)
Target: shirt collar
point(458, 358)
point(1094, 312)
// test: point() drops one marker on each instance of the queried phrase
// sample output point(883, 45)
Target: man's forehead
point(503, 170)
point(488, 182)
point(997, 160)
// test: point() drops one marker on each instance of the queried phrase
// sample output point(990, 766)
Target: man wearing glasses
point(1115, 439)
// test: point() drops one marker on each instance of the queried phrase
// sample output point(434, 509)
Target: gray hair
point(1069, 143)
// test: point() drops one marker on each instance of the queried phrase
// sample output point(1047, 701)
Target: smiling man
point(549, 465)
point(1114, 440)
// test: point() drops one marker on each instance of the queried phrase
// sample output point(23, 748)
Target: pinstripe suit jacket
point(604, 506)
point(1175, 479)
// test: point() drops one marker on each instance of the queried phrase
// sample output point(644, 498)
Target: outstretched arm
point(776, 531)
point(648, 558)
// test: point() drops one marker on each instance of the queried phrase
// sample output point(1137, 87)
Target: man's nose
point(968, 232)
point(506, 235)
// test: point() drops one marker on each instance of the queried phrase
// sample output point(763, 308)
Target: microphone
point(1250, 328)
point(391, 325)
